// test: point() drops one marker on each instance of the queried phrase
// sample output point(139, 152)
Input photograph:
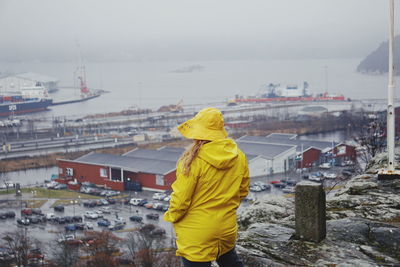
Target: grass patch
point(61, 194)
point(35, 203)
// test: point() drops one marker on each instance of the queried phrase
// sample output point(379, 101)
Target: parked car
point(70, 227)
point(80, 226)
point(135, 201)
point(61, 220)
point(99, 213)
point(143, 202)
point(26, 211)
point(279, 185)
point(60, 187)
point(152, 216)
point(288, 190)
point(37, 211)
point(23, 221)
point(10, 214)
point(91, 215)
point(149, 205)
point(59, 208)
point(157, 206)
point(135, 218)
point(89, 225)
point(104, 202)
point(111, 201)
point(159, 196)
point(167, 198)
point(34, 220)
point(120, 220)
point(325, 165)
point(165, 207)
point(255, 188)
point(291, 182)
point(263, 186)
point(3, 216)
point(315, 178)
point(50, 216)
point(116, 226)
point(77, 218)
point(105, 210)
point(330, 175)
point(68, 219)
point(104, 222)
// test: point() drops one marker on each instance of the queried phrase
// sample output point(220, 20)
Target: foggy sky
point(191, 30)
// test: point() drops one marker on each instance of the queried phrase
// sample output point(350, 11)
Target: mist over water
point(151, 84)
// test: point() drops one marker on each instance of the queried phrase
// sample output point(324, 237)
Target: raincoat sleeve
point(244, 186)
point(181, 197)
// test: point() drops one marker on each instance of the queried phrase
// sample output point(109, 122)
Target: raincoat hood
point(221, 153)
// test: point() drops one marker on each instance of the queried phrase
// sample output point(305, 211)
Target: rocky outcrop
point(362, 228)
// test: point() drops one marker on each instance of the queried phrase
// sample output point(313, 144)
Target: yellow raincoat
point(204, 203)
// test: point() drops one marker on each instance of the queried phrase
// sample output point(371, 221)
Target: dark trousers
point(229, 259)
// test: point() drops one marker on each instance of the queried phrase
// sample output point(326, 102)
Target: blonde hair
point(190, 154)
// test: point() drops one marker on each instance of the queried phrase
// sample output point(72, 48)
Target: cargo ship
point(277, 93)
point(28, 100)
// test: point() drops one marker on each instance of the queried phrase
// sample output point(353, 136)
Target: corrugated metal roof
point(172, 149)
point(134, 164)
point(36, 77)
point(282, 135)
point(155, 154)
point(262, 149)
point(321, 145)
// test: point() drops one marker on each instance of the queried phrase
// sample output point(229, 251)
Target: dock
point(70, 101)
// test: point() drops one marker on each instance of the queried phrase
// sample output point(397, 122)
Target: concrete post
point(310, 212)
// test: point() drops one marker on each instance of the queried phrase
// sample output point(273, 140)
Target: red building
point(122, 173)
point(311, 156)
point(343, 152)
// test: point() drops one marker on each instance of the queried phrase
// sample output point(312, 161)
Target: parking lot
point(50, 230)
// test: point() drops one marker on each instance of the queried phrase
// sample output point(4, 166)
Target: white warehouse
point(14, 82)
point(266, 159)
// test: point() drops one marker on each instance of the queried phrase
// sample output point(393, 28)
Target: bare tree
point(19, 244)
point(372, 140)
point(64, 254)
point(147, 248)
point(102, 249)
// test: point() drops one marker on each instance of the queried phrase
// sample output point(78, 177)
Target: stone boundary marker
point(310, 212)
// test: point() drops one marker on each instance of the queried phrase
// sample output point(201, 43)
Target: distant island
point(377, 61)
point(189, 69)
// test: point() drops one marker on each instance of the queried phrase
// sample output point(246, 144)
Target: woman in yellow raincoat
point(212, 178)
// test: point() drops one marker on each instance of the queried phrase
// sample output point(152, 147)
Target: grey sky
point(185, 29)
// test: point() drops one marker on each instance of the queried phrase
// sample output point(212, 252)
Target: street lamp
point(73, 202)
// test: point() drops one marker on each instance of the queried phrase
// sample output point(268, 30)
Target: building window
point(160, 180)
point(60, 170)
point(69, 171)
point(103, 172)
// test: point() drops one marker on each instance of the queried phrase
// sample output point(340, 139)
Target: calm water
point(152, 84)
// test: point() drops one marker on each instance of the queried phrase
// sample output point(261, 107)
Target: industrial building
point(156, 169)
point(151, 169)
point(14, 82)
point(267, 159)
point(308, 152)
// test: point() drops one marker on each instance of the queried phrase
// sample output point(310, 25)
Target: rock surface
point(362, 228)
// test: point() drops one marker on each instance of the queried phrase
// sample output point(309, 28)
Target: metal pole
point(391, 93)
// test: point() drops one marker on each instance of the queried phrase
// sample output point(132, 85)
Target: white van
point(135, 201)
